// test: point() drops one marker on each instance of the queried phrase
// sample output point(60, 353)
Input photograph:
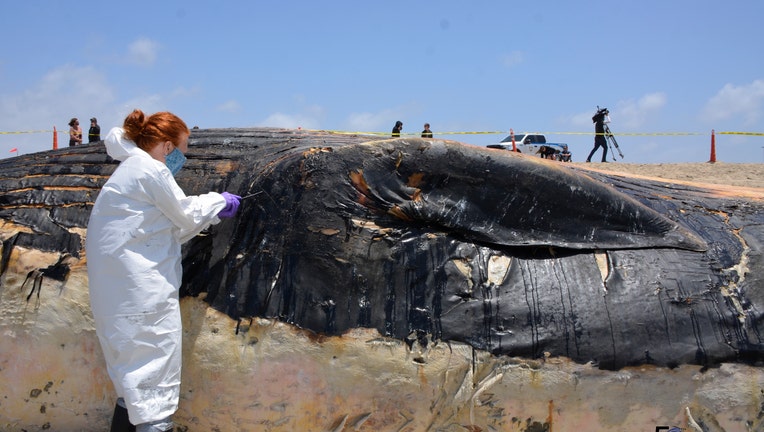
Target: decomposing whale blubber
point(426, 242)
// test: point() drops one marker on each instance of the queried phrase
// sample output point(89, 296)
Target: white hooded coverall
point(137, 225)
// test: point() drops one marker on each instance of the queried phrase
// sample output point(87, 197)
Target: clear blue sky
point(660, 66)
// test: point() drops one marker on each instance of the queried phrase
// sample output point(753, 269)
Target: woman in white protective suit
point(137, 225)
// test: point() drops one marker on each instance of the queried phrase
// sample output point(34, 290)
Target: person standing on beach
point(75, 132)
point(139, 221)
point(397, 129)
point(600, 119)
point(94, 133)
point(426, 133)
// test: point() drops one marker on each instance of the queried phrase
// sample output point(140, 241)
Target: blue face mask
point(175, 161)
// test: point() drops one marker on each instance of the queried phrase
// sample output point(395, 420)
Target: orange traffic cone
point(55, 139)
point(512, 134)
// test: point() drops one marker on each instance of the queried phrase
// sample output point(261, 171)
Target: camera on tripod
point(601, 112)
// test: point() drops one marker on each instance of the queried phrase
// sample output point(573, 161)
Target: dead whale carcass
point(430, 241)
point(438, 240)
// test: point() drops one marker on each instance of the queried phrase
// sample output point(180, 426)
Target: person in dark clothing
point(94, 133)
point(426, 133)
point(565, 155)
point(397, 129)
point(600, 119)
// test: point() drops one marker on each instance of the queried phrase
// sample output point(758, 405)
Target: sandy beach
point(734, 174)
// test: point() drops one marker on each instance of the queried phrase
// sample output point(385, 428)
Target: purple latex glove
point(231, 205)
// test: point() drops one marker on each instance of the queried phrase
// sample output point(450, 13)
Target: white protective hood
point(119, 147)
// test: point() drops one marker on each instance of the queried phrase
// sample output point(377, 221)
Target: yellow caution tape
point(742, 133)
point(26, 132)
point(616, 133)
point(517, 134)
point(406, 133)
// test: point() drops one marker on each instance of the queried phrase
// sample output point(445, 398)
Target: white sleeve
point(191, 214)
point(208, 205)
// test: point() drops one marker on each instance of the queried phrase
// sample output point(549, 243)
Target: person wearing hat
point(94, 134)
point(565, 155)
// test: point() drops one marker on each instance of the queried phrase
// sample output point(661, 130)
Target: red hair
point(157, 128)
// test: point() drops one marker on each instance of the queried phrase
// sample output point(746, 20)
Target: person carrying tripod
point(600, 119)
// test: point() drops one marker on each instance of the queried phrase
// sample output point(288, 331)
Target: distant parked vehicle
point(532, 143)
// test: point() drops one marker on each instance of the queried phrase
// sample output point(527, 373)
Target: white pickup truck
point(533, 143)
